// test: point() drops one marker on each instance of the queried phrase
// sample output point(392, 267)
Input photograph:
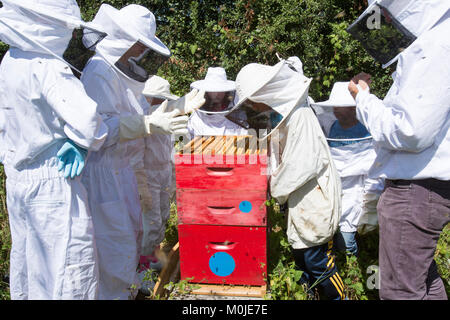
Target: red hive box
point(223, 254)
point(221, 194)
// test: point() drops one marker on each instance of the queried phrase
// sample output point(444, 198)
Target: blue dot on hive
point(222, 264)
point(245, 206)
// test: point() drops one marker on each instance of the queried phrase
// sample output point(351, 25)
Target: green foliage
point(283, 277)
point(442, 257)
point(353, 270)
point(181, 288)
point(171, 234)
point(5, 240)
point(232, 34)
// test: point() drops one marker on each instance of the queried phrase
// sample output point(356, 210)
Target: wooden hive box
point(221, 194)
point(222, 180)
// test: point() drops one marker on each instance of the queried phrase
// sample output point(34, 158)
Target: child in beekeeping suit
point(353, 153)
point(209, 120)
point(154, 184)
point(304, 174)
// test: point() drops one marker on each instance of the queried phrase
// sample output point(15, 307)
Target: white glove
point(188, 103)
point(163, 122)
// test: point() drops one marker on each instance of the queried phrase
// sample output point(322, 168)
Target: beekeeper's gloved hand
point(164, 122)
point(71, 159)
point(160, 121)
point(188, 103)
point(360, 83)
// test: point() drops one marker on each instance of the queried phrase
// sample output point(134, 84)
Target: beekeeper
point(353, 153)
point(46, 111)
point(304, 174)
point(209, 120)
point(154, 178)
point(115, 77)
point(410, 128)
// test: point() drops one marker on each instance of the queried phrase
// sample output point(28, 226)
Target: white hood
point(124, 28)
point(284, 92)
point(282, 87)
point(54, 35)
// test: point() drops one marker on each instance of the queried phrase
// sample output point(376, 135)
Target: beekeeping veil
point(51, 27)
point(281, 87)
point(388, 27)
point(131, 45)
point(216, 82)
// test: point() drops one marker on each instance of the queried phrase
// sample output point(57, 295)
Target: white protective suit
point(109, 175)
point(411, 125)
point(305, 175)
point(53, 254)
point(154, 174)
point(360, 194)
point(158, 179)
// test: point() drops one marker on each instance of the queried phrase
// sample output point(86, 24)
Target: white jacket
point(42, 101)
point(306, 177)
point(411, 125)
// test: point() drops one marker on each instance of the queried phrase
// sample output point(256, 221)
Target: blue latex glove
point(71, 159)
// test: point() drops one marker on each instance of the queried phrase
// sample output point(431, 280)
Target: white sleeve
point(416, 107)
point(101, 89)
point(67, 97)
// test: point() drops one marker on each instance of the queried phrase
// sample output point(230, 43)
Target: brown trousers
point(412, 214)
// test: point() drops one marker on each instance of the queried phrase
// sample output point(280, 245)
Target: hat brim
point(334, 104)
point(161, 96)
point(155, 44)
point(225, 86)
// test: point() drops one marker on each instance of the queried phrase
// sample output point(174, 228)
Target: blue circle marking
point(245, 206)
point(222, 264)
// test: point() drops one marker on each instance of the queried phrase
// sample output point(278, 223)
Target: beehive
point(221, 194)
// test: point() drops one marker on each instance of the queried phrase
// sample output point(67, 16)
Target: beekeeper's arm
point(303, 156)
point(66, 95)
point(415, 108)
point(160, 122)
point(169, 118)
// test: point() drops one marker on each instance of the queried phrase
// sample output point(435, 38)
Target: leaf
point(193, 48)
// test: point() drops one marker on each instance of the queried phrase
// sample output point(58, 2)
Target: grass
point(5, 241)
point(282, 275)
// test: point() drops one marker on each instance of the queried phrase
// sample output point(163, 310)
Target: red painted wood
point(217, 207)
point(247, 246)
point(222, 176)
